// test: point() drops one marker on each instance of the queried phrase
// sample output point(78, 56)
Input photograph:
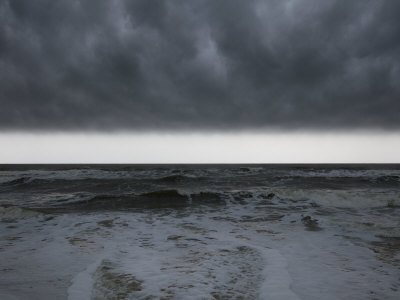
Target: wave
point(391, 179)
point(158, 199)
point(18, 181)
point(208, 198)
point(279, 197)
point(314, 178)
point(173, 178)
point(33, 181)
point(72, 185)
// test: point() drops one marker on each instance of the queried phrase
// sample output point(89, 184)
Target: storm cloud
point(199, 65)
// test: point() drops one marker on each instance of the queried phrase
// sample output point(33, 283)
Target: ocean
point(200, 231)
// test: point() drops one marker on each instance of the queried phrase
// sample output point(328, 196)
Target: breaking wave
point(158, 199)
point(18, 181)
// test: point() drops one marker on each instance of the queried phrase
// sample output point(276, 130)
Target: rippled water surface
point(200, 232)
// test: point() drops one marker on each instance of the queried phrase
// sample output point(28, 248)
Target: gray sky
point(288, 147)
point(199, 65)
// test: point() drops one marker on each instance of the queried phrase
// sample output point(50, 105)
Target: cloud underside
point(199, 65)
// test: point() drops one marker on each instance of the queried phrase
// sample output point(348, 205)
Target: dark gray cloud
point(140, 64)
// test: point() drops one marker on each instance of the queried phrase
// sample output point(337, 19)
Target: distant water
point(199, 231)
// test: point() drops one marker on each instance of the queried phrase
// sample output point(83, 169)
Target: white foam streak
point(82, 284)
point(277, 278)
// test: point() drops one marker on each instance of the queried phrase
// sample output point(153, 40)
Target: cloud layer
point(199, 65)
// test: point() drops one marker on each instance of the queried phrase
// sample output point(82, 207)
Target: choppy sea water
point(200, 232)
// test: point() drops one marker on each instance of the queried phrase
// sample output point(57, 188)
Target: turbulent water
point(200, 232)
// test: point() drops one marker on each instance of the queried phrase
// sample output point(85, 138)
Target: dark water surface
point(200, 231)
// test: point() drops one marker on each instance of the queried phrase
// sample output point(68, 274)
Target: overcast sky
point(199, 65)
point(200, 148)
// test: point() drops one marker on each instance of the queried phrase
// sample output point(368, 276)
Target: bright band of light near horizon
point(199, 148)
